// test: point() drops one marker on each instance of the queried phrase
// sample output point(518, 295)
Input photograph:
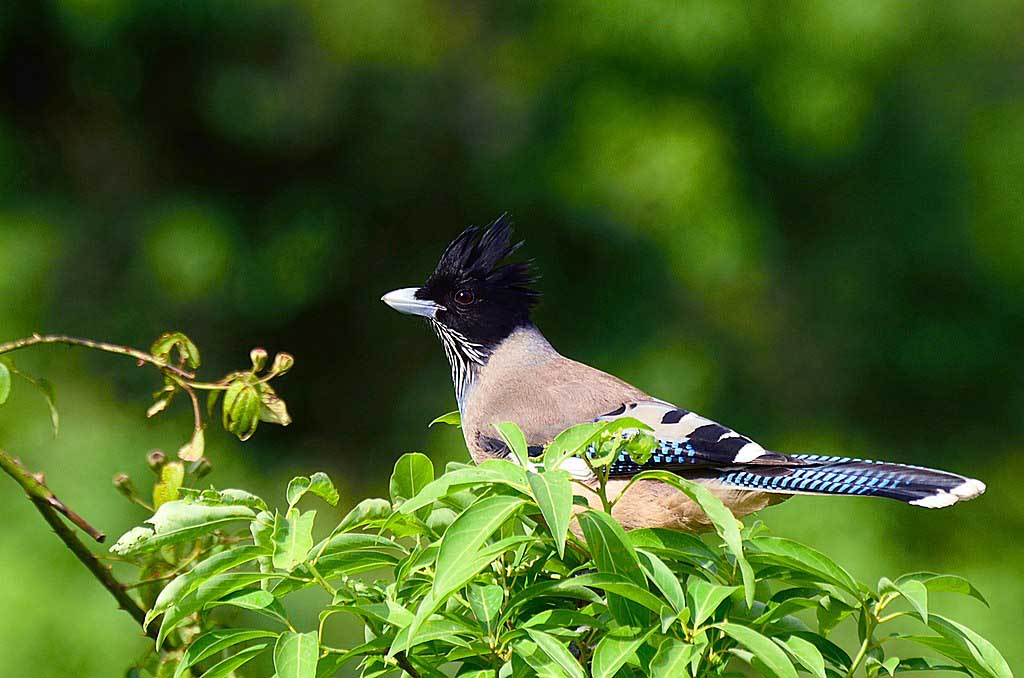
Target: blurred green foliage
point(803, 219)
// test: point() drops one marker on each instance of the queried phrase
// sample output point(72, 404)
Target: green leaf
point(296, 655)
point(829, 650)
point(553, 492)
point(492, 471)
point(161, 399)
point(228, 666)
point(186, 583)
point(209, 591)
point(561, 619)
point(577, 587)
point(950, 583)
point(927, 664)
point(178, 521)
point(169, 341)
point(321, 486)
point(460, 557)
point(434, 629)
point(706, 598)
point(800, 558)
point(771, 657)
point(5, 383)
point(367, 511)
point(389, 612)
point(914, 592)
point(485, 601)
point(273, 409)
point(568, 443)
point(212, 642)
point(516, 441)
point(958, 651)
point(613, 554)
point(980, 648)
point(256, 600)
point(467, 536)
point(725, 524)
point(172, 475)
point(195, 447)
point(413, 471)
point(557, 652)
point(539, 663)
point(50, 395)
point(615, 649)
point(875, 667)
point(662, 577)
point(806, 654)
point(241, 409)
point(672, 659)
point(675, 545)
point(292, 539)
point(451, 419)
point(211, 402)
point(296, 488)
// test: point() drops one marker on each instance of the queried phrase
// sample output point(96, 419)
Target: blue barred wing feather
point(698, 448)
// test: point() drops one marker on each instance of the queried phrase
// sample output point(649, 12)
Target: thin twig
point(47, 505)
point(35, 486)
point(36, 339)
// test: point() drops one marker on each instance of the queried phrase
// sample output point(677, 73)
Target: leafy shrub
point(482, 575)
point(502, 569)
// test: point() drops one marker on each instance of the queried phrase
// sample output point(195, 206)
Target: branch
point(406, 665)
point(51, 508)
point(98, 345)
point(35, 486)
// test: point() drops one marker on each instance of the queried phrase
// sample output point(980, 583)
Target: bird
point(479, 304)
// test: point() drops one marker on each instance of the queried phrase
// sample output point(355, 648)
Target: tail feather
point(817, 474)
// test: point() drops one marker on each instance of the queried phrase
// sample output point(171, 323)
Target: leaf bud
point(282, 363)
point(156, 460)
point(258, 356)
point(124, 485)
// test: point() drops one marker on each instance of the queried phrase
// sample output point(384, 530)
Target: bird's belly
point(650, 503)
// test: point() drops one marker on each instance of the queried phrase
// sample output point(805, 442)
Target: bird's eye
point(464, 297)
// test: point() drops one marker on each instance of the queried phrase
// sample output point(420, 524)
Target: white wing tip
point(748, 453)
point(967, 490)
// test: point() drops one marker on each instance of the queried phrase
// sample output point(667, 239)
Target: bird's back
point(529, 383)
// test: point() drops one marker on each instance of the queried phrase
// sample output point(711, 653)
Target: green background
point(803, 219)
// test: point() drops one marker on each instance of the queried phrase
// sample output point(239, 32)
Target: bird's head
point(473, 297)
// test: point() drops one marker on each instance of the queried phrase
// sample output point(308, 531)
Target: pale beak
point(405, 301)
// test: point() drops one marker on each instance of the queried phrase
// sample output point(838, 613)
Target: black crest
point(484, 298)
point(477, 253)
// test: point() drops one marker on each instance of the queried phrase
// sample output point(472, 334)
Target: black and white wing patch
point(686, 440)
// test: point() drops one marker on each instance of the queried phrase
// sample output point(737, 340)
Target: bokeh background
point(803, 219)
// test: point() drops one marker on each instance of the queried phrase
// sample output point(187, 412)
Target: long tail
point(817, 474)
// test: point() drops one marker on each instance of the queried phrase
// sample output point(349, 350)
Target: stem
point(602, 483)
point(320, 579)
point(36, 339)
point(51, 509)
point(403, 661)
point(869, 631)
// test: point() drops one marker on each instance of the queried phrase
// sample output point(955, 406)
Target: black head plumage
point(484, 299)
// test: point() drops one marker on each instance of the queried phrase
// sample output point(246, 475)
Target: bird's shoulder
point(542, 396)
